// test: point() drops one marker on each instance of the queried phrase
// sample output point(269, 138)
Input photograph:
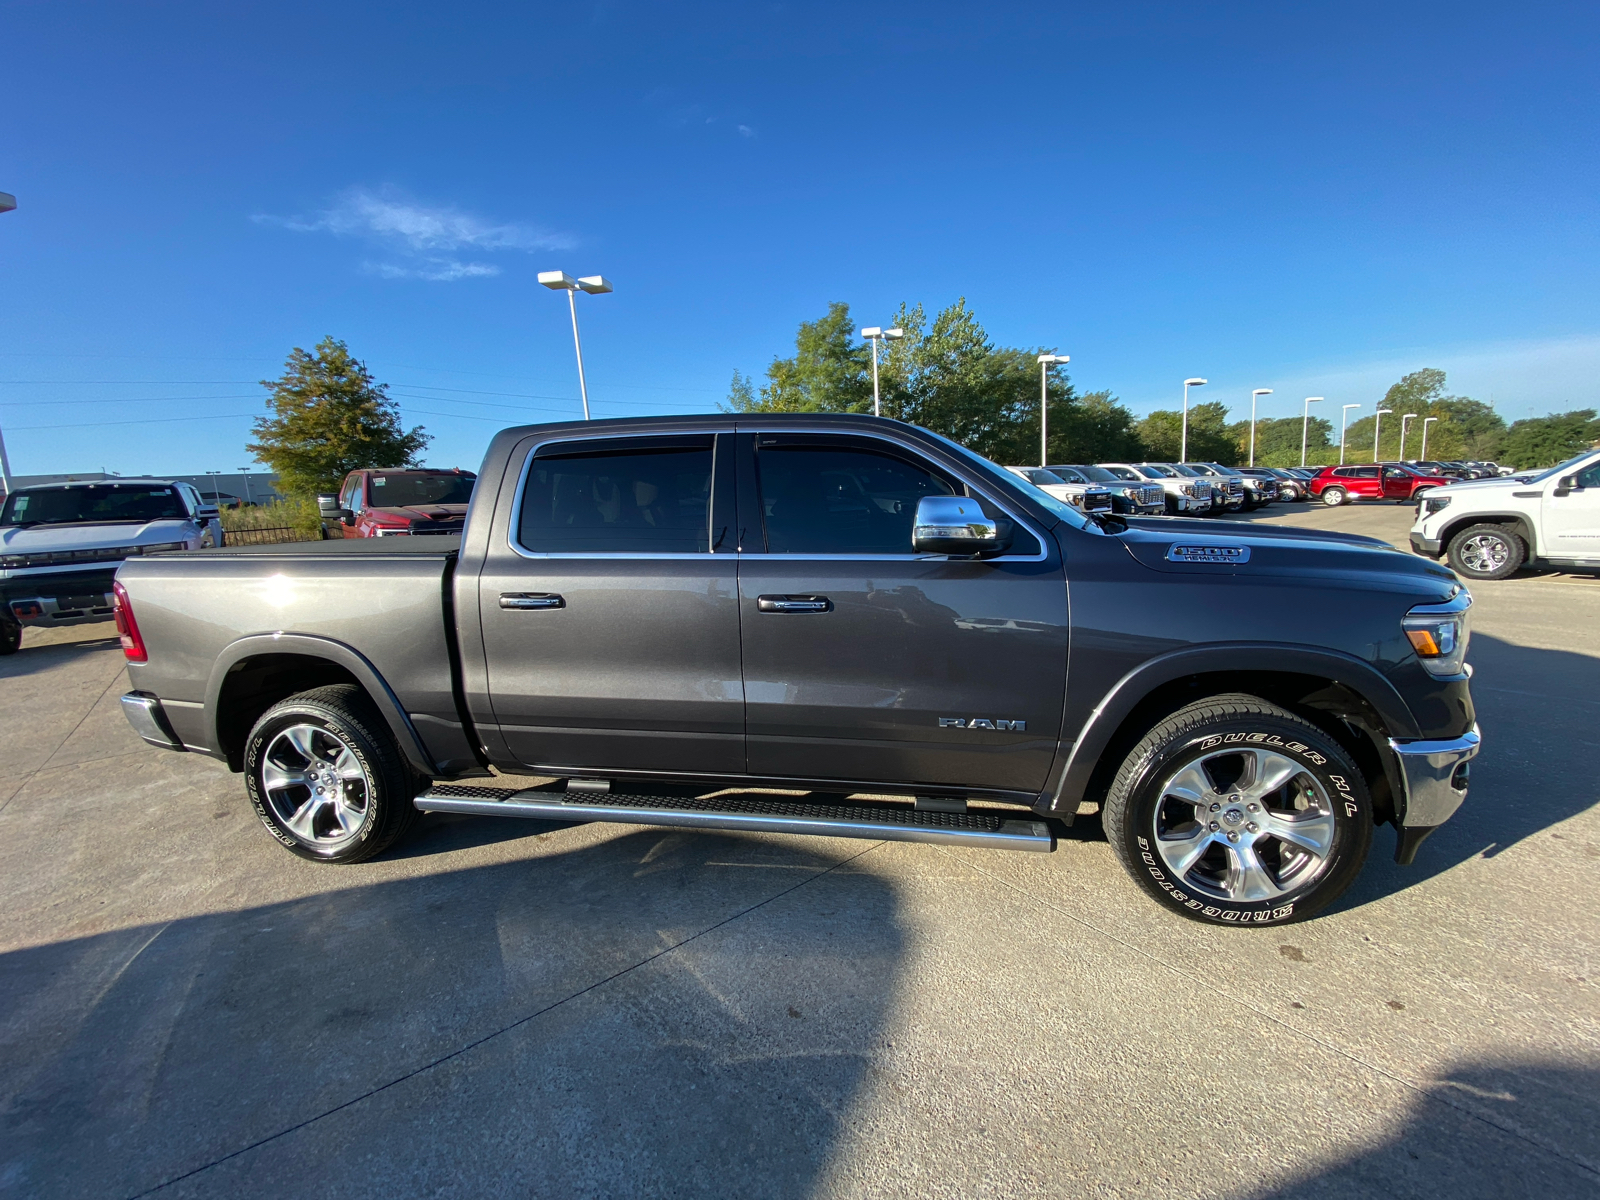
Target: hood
point(425, 512)
point(1263, 551)
point(87, 535)
point(1500, 481)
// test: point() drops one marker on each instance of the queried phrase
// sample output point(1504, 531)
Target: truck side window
point(648, 495)
point(841, 499)
point(1589, 478)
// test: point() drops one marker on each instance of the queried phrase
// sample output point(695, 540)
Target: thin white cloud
point(417, 235)
point(746, 131)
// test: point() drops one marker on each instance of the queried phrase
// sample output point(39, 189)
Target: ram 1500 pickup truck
point(832, 625)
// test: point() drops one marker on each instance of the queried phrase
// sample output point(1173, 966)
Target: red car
point(1373, 481)
point(383, 503)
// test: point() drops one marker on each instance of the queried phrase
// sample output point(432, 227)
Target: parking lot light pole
point(216, 494)
point(1422, 455)
point(595, 285)
point(1046, 361)
point(1377, 424)
point(1254, 396)
point(1183, 448)
point(1405, 420)
point(1305, 424)
point(7, 203)
point(248, 498)
point(876, 334)
point(1344, 419)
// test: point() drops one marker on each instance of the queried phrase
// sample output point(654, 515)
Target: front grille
point(1097, 502)
point(1151, 495)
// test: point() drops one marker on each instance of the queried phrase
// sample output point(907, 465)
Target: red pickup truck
point(1373, 481)
point(383, 503)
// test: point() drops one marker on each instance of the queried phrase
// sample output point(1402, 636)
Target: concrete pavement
point(508, 1008)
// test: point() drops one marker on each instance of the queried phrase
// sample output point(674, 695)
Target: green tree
point(1209, 436)
point(1465, 428)
point(1095, 427)
point(1278, 441)
point(329, 418)
point(828, 372)
point(1545, 441)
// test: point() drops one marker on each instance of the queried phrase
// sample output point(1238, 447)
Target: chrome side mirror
point(328, 505)
point(207, 512)
point(955, 525)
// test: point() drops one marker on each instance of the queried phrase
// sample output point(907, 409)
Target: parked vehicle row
point(744, 607)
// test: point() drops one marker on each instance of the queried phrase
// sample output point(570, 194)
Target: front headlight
point(1432, 504)
point(1439, 633)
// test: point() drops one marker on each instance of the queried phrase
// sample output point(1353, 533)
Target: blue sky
point(1264, 195)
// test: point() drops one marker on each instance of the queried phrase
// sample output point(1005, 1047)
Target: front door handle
point(531, 600)
point(793, 604)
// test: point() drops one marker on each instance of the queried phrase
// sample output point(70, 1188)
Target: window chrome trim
point(1044, 546)
point(532, 452)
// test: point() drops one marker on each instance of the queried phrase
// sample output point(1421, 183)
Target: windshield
point(93, 502)
point(1185, 469)
point(1043, 499)
point(1559, 468)
point(1158, 471)
point(404, 489)
point(1097, 474)
point(1039, 475)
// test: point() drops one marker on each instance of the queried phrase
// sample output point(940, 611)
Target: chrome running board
point(762, 814)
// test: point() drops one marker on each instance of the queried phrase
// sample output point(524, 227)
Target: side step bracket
point(763, 814)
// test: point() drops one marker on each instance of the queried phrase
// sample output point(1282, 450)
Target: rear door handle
point(531, 600)
point(793, 604)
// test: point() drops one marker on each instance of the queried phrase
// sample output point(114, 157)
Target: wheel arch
point(1345, 697)
point(1518, 523)
point(254, 673)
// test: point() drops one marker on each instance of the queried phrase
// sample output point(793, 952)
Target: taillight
point(132, 643)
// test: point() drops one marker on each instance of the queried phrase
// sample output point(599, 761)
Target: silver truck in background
point(61, 545)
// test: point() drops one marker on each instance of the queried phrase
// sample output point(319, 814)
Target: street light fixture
point(1377, 424)
point(1423, 454)
point(216, 494)
point(7, 203)
point(1404, 421)
point(595, 285)
point(1183, 449)
point(875, 334)
point(248, 498)
point(1046, 361)
point(1258, 392)
point(1305, 424)
point(1344, 418)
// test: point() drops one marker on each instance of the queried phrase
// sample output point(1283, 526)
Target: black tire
point(1487, 552)
point(1218, 732)
point(1334, 496)
point(379, 804)
point(10, 637)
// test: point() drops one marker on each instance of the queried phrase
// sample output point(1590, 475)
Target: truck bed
point(384, 603)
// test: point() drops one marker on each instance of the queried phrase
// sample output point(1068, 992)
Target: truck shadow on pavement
point(1485, 1130)
point(655, 1013)
point(1538, 710)
point(31, 660)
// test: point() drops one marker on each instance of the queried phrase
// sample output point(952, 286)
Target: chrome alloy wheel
point(1244, 825)
point(1484, 553)
point(315, 785)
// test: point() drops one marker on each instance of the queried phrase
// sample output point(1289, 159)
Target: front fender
point(329, 650)
point(1071, 776)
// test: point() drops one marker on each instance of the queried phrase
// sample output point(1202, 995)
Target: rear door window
point(625, 495)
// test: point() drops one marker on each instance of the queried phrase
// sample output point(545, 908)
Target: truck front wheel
point(1334, 496)
point(1234, 811)
point(10, 636)
point(1486, 552)
point(326, 777)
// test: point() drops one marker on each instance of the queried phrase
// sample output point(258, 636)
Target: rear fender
point(327, 650)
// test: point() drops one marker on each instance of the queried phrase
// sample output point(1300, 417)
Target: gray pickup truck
point(828, 625)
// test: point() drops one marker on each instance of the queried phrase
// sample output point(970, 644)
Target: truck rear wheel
point(1334, 496)
point(326, 777)
point(1487, 552)
point(1233, 811)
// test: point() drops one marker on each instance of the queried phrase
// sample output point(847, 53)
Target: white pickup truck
point(61, 545)
point(1490, 527)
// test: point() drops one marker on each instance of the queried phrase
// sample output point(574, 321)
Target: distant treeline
point(947, 375)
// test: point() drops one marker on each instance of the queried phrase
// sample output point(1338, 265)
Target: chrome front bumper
point(1435, 778)
point(149, 721)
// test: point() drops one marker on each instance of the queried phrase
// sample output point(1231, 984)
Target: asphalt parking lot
point(509, 1008)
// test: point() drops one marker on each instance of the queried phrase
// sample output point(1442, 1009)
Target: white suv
point(1490, 527)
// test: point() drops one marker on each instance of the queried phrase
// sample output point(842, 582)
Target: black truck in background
point(889, 636)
